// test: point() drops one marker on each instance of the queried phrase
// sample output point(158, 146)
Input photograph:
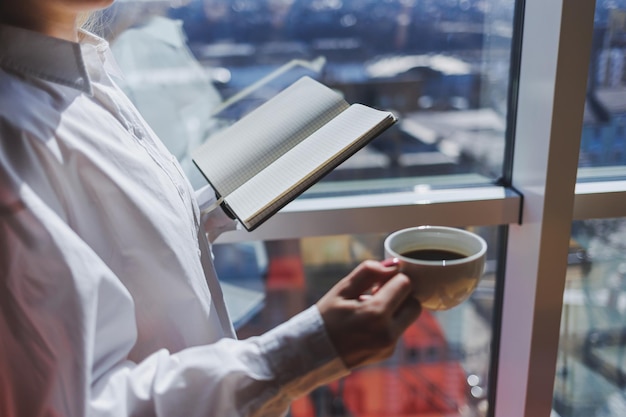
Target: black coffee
point(433, 255)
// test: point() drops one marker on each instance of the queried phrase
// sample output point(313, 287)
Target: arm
point(228, 378)
point(68, 323)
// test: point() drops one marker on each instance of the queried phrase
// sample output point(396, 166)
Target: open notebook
point(274, 153)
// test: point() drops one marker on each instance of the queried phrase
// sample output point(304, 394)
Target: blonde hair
point(93, 22)
point(84, 19)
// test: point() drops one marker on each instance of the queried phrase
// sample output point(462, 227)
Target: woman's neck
point(49, 20)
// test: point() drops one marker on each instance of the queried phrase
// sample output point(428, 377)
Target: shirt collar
point(52, 59)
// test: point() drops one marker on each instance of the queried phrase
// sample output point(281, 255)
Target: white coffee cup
point(439, 284)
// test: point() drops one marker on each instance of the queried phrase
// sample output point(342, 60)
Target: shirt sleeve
point(68, 323)
point(257, 377)
point(215, 221)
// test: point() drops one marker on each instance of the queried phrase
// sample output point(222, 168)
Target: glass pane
point(442, 365)
point(441, 66)
point(603, 141)
point(591, 364)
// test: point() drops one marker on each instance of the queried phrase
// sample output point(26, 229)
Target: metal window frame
point(552, 87)
point(386, 212)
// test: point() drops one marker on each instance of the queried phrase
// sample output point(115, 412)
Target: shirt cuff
point(216, 221)
point(301, 354)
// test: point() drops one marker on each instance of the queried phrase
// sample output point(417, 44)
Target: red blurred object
point(286, 272)
point(418, 381)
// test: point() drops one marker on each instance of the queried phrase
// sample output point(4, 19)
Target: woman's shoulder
point(30, 105)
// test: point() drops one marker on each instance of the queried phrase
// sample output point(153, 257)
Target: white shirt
point(109, 303)
point(169, 87)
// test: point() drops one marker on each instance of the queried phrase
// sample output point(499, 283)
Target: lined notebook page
point(275, 185)
point(239, 152)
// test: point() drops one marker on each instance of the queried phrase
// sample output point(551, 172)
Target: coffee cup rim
point(445, 229)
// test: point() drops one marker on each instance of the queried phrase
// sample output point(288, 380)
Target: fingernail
point(389, 262)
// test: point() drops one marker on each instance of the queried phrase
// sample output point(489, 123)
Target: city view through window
point(441, 66)
point(444, 68)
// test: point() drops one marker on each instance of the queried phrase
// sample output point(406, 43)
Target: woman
point(109, 301)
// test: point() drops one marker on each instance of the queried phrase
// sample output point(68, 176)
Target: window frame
point(387, 212)
point(552, 87)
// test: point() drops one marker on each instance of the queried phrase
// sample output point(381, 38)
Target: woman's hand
point(367, 311)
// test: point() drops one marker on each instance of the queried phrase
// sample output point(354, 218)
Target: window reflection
point(603, 142)
point(591, 366)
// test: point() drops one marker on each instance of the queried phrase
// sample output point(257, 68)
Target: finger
point(394, 292)
point(365, 276)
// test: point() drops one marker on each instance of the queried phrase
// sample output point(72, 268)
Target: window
point(497, 125)
point(589, 371)
point(590, 364)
